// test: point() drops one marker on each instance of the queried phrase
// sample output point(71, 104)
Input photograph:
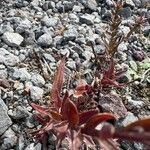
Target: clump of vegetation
point(63, 119)
point(77, 117)
point(112, 38)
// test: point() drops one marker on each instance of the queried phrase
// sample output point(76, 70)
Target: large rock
point(8, 58)
point(5, 121)
point(12, 39)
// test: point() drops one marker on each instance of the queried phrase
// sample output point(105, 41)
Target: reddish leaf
point(61, 127)
point(73, 115)
point(39, 108)
point(144, 123)
point(81, 88)
point(84, 116)
point(63, 106)
point(110, 72)
point(58, 83)
point(107, 81)
point(70, 113)
point(97, 119)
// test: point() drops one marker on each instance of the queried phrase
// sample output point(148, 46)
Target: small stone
point(21, 74)
point(8, 58)
point(49, 22)
point(36, 93)
point(130, 3)
point(49, 57)
point(9, 140)
point(126, 12)
point(129, 119)
point(3, 73)
point(87, 19)
point(21, 143)
point(45, 40)
point(138, 3)
point(32, 146)
point(135, 104)
point(90, 4)
point(71, 64)
point(70, 34)
point(77, 8)
point(19, 113)
point(5, 121)
point(24, 25)
point(68, 6)
point(133, 65)
point(12, 39)
point(37, 80)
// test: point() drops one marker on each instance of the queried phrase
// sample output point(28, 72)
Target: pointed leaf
point(84, 116)
point(70, 113)
point(58, 83)
point(97, 119)
point(40, 109)
point(110, 72)
point(144, 123)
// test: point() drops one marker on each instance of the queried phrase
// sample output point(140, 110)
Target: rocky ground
point(34, 34)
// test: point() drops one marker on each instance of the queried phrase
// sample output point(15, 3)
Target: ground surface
point(34, 34)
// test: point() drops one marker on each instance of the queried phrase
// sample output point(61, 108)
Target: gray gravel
point(34, 34)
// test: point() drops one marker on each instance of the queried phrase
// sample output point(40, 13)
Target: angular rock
point(37, 80)
point(24, 25)
point(87, 19)
point(18, 113)
point(12, 39)
point(36, 93)
point(129, 118)
point(8, 58)
point(9, 140)
point(113, 103)
point(126, 12)
point(70, 34)
point(5, 121)
point(45, 40)
point(90, 4)
point(21, 74)
point(130, 3)
point(49, 22)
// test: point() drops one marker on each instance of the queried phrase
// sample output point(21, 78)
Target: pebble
point(9, 140)
point(36, 93)
point(90, 4)
point(19, 112)
point(70, 34)
point(5, 121)
point(129, 119)
point(49, 22)
point(12, 39)
point(22, 74)
point(8, 58)
point(45, 40)
point(37, 80)
point(87, 19)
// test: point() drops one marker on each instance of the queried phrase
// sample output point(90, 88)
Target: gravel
point(34, 34)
